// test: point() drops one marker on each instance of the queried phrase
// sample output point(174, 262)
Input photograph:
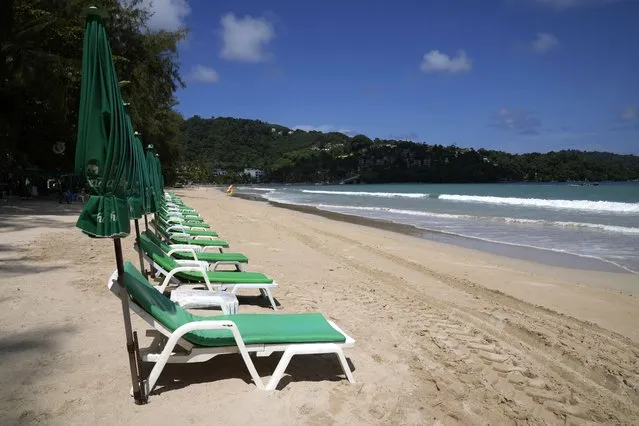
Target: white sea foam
point(583, 205)
point(368, 194)
point(261, 189)
point(595, 226)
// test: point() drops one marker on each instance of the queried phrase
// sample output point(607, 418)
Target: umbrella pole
point(137, 241)
point(138, 393)
point(146, 223)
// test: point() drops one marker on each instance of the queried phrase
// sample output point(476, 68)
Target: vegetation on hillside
point(40, 67)
point(220, 149)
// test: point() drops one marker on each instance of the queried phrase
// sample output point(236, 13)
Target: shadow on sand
point(17, 215)
point(307, 368)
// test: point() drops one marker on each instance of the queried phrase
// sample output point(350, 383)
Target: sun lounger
point(194, 217)
point(184, 238)
point(199, 299)
point(193, 232)
point(189, 272)
point(192, 252)
point(177, 220)
point(201, 338)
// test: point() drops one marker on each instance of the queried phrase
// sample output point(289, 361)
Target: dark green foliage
point(287, 155)
point(40, 65)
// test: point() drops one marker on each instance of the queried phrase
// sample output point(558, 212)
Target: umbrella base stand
point(141, 398)
point(134, 360)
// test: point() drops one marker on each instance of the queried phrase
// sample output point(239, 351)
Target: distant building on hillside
point(254, 174)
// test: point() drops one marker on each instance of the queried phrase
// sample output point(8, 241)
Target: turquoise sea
point(592, 222)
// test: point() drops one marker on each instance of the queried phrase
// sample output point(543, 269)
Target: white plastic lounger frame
point(175, 232)
point(186, 248)
point(168, 235)
point(169, 340)
point(180, 226)
point(167, 238)
point(172, 227)
point(193, 250)
point(202, 267)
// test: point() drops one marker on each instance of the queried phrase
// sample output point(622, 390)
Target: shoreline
point(442, 332)
point(532, 254)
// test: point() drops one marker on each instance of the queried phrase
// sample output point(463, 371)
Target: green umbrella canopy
point(154, 177)
point(160, 175)
point(103, 152)
point(104, 159)
point(147, 187)
point(137, 168)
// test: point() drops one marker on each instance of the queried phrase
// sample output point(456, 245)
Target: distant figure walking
point(229, 190)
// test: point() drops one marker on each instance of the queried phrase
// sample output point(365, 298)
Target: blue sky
point(516, 75)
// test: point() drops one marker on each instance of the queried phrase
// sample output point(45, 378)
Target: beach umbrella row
point(124, 182)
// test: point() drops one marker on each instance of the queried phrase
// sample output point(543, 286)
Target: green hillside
point(219, 149)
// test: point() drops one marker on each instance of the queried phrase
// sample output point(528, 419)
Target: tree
point(40, 66)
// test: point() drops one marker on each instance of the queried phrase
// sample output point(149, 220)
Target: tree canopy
point(40, 73)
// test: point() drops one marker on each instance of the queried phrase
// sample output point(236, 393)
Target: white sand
point(444, 334)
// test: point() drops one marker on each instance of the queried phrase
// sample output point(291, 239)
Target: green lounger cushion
point(185, 218)
point(206, 256)
point(208, 243)
point(227, 277)
point(218, 277)
point(197, 233)
point(174, 220)
point(192, 233)
point(255, 329)
point(212, 257)
point(189, 223)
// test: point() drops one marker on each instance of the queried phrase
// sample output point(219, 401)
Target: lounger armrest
point(183, 250)
point(178, 228)
point(179, 234)
point(174, 271)
point(193, 247)
point(203, 237)
point(189, 262)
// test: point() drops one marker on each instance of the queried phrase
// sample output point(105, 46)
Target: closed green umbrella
point(155, 177)
point(135, 184)
point(103, 157)
point(144, 188)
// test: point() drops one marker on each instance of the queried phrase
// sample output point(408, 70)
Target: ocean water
point(593, 222)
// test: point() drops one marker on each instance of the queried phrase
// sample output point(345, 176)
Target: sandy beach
point(445, 335)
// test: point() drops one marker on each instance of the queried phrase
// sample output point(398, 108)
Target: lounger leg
point(347, 370)
point(161, 363)
point(270, 297)
point(322, 348)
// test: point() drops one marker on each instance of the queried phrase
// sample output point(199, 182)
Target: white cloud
point(166, 14)
point(245, 39)
point(517, 120)
point(629, 113)
point(436, 61)
point(324, 128)
point(203, 74)
point(544, 42)
point(560, 5)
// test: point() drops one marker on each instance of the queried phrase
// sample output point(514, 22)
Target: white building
point(254, 174)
